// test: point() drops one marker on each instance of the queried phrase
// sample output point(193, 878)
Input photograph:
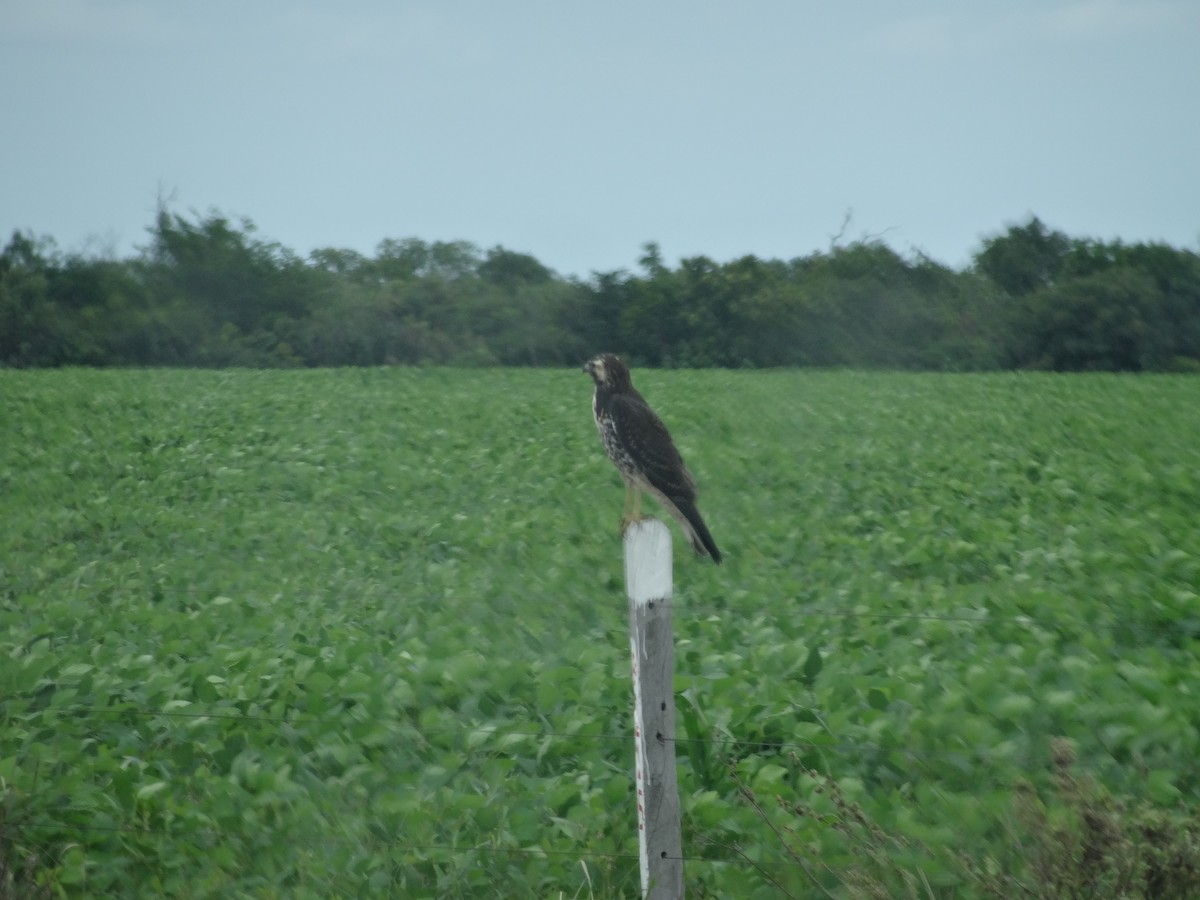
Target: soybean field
point(362, 632)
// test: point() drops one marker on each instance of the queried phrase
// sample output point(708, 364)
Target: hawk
point(639, 445)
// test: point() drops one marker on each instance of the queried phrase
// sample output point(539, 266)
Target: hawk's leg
point(633, 507)
point(627, 513)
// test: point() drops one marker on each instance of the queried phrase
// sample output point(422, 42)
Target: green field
point(363, 632)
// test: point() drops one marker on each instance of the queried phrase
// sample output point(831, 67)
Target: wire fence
point(980, 616)
point(735, 856)
point(980, 753)
point(201, 835)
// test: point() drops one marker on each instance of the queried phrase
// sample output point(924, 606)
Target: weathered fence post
point(651, 644)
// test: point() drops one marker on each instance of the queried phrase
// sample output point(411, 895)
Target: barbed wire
point(196, 835)
point(775, 744)
point(687, 610)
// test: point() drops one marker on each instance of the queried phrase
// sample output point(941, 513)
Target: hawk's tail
point(697, 531)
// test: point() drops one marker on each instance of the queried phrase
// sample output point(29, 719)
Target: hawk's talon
point(628, 522)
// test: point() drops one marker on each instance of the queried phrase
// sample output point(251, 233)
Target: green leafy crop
point(362, 632)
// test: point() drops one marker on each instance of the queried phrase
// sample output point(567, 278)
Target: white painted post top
point(647, 561)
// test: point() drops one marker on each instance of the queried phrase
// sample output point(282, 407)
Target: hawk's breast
point(616, 450)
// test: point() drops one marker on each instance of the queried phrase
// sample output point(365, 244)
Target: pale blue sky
point(576, 132)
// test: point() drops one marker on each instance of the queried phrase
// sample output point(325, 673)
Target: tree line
point(207, 290)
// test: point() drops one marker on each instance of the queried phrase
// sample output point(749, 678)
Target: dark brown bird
point(641, 448)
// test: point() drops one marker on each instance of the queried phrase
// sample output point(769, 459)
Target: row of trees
point(208, 291)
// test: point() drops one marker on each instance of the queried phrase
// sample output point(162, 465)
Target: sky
point(577, 132)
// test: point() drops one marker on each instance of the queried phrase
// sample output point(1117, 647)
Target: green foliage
point(1081, 841)
point(361, 632)
point(247, 296)
point(1025, 258)
point(1098, 322)
point(1069, 840)
point(1091, 305)
point(61, 310)
point(208, 292)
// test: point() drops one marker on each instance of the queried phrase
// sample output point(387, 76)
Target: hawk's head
point(608, 371)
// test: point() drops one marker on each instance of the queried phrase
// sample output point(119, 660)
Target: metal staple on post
point(651, 642)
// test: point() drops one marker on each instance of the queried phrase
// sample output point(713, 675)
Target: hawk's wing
point(648, 442)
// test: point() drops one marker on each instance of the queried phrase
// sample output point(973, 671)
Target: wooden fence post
point(651, 643)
